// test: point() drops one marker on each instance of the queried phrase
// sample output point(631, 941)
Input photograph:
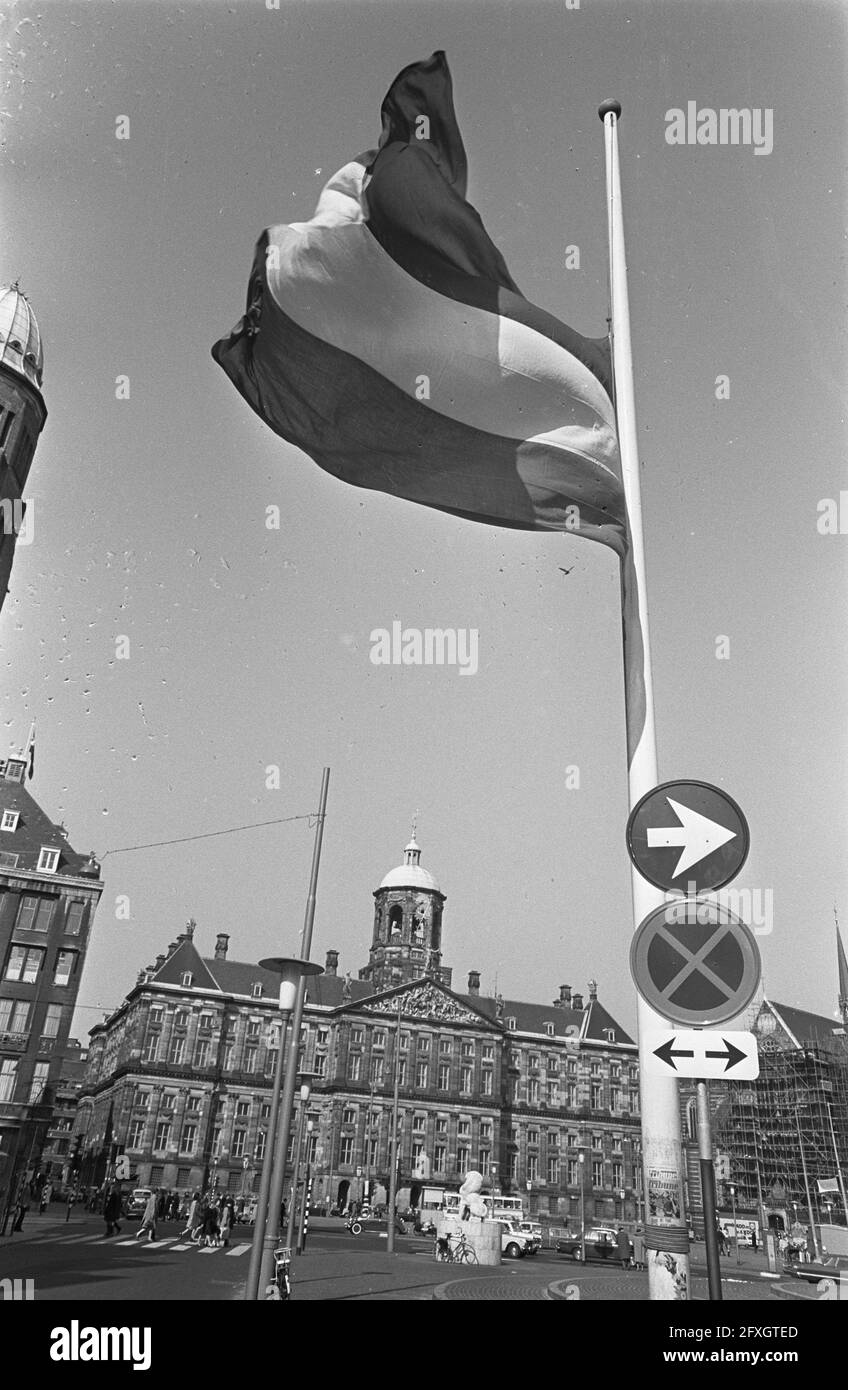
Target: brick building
point(180, 1075)
point(48, 897)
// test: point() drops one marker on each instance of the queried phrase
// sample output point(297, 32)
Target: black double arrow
point(668, 1052)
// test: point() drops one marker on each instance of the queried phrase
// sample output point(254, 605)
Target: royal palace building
point(540, 1098)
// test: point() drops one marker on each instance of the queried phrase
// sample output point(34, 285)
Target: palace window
point(65, 966)
point(444, 1076)
point(162, 1137)
point(445, 1044)
point(488, 1052)
point(39, 1082)
point(441, 1124)
point(135, 1134)
point(24, 964)
point(354, 1066)
point(177, 1053)
point(201, 1053)
point(73, 922)
point(421, 1072)
point(597, 1173)
point(189, 1139)
point(486, 1082)
point(346, 1151)
point(14, 1016)
point(48, 860)
point(553, 1169)
point(440, 1155)
point(466, 1078)
point(239, 1140)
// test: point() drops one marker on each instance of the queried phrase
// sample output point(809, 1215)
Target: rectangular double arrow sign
point(702, 1052)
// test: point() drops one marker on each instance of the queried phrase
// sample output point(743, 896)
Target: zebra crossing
point(172, 1243)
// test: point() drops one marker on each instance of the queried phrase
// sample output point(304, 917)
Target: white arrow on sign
point(703, 1053)
point(698, 835)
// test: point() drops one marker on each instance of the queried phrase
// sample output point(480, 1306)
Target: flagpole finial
point(609, 107)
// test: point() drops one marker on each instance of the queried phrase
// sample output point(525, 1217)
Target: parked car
point(533, 1229)
point(601, 1244)
point(515, 1243)
point(137, 1201)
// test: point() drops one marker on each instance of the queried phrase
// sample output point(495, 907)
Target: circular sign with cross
point(695, 962)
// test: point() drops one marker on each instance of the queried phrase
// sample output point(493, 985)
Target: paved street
point(74, 1260)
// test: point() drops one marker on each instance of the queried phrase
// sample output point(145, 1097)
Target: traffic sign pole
point(708, 1193)
point(666, 1230)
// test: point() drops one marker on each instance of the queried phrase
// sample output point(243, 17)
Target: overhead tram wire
point(208, 835)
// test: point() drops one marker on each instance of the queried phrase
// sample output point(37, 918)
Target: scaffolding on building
point(785, 1133)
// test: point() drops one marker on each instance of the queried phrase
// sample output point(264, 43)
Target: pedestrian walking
point(192, 1218)
point(112, 1212)
point(210, 1226)
point(21, 1207)
point(227, 1220)
point(638, 1248)
point(148, 1221)
point(623, 1242)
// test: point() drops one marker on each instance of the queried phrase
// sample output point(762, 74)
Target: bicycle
point(456, 1252)
point(280, 1289)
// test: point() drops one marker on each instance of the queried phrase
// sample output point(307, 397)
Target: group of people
point(210, 1222)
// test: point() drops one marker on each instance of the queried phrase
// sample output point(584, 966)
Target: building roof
point(236, 977)
point(20, 338)
point(410, 874)
point(534, 1018)
point(35, 831)
point(806, 1029)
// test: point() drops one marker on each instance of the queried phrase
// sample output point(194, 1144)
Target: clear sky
point(250, 647)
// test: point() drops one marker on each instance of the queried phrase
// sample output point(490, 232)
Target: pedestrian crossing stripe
point(239, 1250)
point(161, 1243)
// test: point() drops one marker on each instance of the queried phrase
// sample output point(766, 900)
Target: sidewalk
point(35, 1224)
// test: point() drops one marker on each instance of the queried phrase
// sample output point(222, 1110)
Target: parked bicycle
point(456, 1251)
point(280, 1288)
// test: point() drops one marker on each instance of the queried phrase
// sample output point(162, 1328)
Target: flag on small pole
point(387, 339)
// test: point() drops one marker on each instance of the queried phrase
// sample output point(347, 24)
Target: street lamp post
point(393, 1157)
point(305, 1089)
point(291, 971)
point(735, 1227)
point(307, 1183)
point(581, 1159)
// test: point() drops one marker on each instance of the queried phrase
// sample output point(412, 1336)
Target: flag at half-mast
point(387, 339)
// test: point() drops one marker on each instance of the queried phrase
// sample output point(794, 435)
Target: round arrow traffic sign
point(687, 836)
point(695, 962)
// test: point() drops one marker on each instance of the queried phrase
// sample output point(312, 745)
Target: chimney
point(222, 941)
point(564, 1001)
point(593, 990)
point(474, 982)
point(331, 964)
point(577, 1003)
point(160, 961)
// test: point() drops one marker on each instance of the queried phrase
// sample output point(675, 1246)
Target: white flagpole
point(666, 1229)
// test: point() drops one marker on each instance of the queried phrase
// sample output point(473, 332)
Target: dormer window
point(48, 860)
point(15, 769)
point(256, 991)
point(549, 1029)
point(510, 1023)
point(186, 979)
point(609, 1034)
point(9, 820)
